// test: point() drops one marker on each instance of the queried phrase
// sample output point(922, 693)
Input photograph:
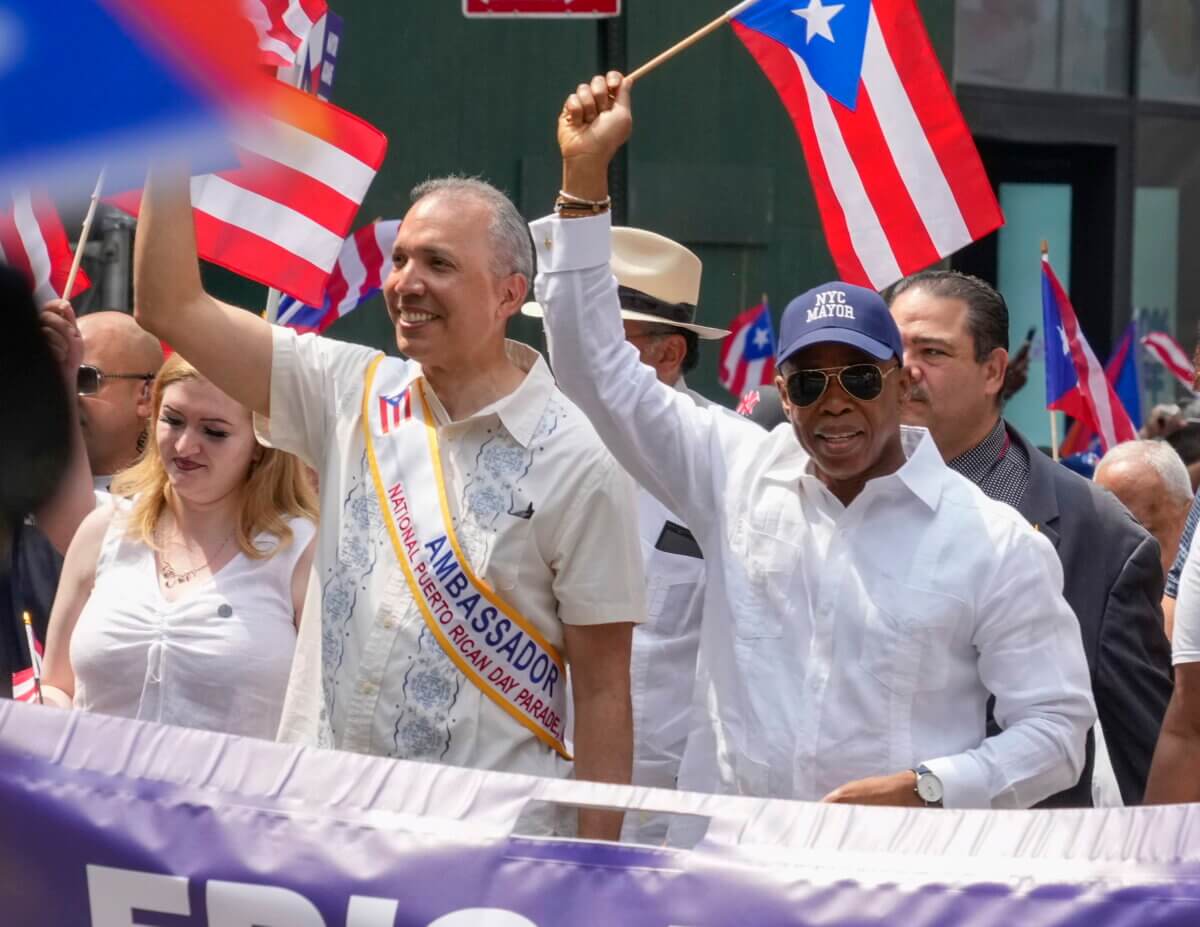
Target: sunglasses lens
point(806, 386)
point(863, 381)
point(87, 381)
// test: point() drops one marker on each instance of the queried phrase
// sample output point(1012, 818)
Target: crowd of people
point(457, 556)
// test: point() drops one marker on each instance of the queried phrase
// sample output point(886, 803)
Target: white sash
point(493, 645)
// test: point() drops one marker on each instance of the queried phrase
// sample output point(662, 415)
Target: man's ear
point(145, 400)
point(994, 369)
point(513, 290)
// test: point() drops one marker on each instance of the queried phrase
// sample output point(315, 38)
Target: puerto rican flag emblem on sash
point(394, 409)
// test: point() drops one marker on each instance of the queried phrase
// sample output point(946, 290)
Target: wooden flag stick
point(690, 40)
point(83, 236)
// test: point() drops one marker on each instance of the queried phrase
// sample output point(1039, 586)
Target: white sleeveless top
point(217, 659)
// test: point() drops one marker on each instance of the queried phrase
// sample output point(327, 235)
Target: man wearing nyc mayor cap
point(659, 291)
point(863, 600)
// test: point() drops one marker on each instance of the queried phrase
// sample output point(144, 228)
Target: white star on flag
point(761, 338)
point(817, 17)
point(1066, 344)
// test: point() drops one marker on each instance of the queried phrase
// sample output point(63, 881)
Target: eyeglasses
point(862, 381)
point(88, 379)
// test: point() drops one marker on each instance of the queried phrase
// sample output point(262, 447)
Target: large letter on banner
point(493, 645)
point(228, 831)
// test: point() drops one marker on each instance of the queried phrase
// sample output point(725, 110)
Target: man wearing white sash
point(475, 535)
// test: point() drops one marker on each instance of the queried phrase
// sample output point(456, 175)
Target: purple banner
point(117, 824)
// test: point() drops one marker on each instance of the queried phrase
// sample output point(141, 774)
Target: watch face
point(929, 787)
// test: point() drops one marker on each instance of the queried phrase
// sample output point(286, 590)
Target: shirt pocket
point(908, 638)
point(674, 584)
point(773, 574)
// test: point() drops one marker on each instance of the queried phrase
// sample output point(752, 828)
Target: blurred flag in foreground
point(748, 352)
point(358, 275)
point(895, 171)
point(85, 83)
point(34, 242)
point(282, 216)
point(1122, 372)
point(1075, 382)
point(1170, 353)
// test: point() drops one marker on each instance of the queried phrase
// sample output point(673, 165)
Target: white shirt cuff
point(964, 784)
point(572, 244)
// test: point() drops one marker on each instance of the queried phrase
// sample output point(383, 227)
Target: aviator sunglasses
point(88, 379)
point(861, 381)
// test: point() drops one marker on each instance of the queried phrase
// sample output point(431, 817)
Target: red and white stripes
point(282, 27)
point(898, 180)
point(33, 241)
point(1170, 353)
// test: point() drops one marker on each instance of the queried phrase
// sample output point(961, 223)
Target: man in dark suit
point(955, 331)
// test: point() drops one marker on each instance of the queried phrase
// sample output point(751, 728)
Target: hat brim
point(534, 311)
point(877, 349)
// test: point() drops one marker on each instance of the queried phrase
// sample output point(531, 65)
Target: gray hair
point(1159, 455)
point(512, 246)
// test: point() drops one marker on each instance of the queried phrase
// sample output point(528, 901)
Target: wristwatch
point(929, 787)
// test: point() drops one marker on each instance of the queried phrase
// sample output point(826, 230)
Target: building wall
point(714, 161)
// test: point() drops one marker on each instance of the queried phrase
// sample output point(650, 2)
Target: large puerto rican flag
point(748, 351)
point(358, 276)
point(282, 216)
point(1075, 382)
point(896, 174)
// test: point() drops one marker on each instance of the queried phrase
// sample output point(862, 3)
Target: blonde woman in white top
point(181, 603)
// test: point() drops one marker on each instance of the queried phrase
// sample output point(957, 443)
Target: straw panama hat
point(653, 266)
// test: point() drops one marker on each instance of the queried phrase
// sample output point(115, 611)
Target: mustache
point(916, 394)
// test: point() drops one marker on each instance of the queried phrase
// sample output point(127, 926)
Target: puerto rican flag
point(283, 27)
point(1075, 382)
point(24, 683)
point(748, 352)
point(358, 276)
point(1170, 353)
point(395, 409)
point(282, 216)
point(896, 174)
point(34, 242)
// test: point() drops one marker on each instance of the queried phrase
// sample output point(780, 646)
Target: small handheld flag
point(1075, 382)
point(748, 352)
point(34, 242)
point(27, 684)
point(1122, 372)
point(1170, 353)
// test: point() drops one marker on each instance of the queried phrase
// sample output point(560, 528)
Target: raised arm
point(74, 498)
point(229, 346)
point(657, 434)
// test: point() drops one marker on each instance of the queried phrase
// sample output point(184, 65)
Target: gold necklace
point(172, 577)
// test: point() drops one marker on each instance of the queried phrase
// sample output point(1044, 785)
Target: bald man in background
point(1151, 480)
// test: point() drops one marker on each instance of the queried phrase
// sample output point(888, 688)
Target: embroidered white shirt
point(537, 500)
point(838, 642)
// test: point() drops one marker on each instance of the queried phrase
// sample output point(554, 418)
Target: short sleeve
point(1185, 544)
point(1185, 640)
point(311, 377)
point(598, 573)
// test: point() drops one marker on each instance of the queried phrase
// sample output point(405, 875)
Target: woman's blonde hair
point(277, 488)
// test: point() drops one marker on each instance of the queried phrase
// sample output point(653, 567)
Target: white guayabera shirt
point(838, 642)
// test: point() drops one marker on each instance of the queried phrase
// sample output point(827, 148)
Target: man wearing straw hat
point(659, 289)
point(863, 600)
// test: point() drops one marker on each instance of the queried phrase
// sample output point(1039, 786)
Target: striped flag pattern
point(282, 216)
point(283, 26)
point(358, 276)
point(24, 689)
point(1170, 353)
point(34, 242)
point(315, 66)
point(897, 178)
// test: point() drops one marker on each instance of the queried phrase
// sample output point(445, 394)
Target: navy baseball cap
point(843, 313)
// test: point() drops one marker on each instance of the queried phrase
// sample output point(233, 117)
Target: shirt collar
point(976, 463)
point(521, 410)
